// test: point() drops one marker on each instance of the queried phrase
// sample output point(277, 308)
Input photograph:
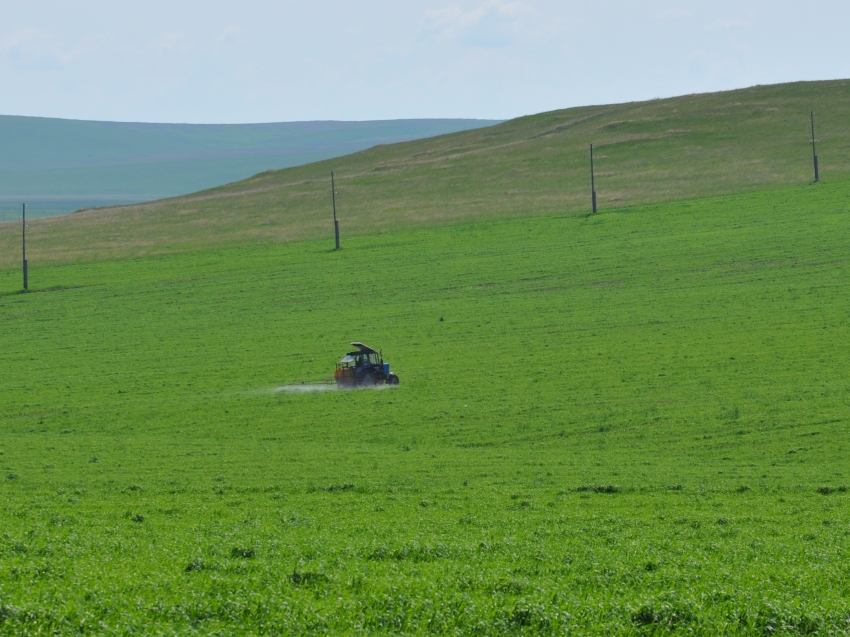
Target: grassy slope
point(646, 152)
point(689, 354)
point(52, 163)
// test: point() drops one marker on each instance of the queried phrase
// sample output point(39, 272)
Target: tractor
point(363, 368)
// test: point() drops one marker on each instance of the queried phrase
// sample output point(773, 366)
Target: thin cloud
point(492, 24)
point(231, 33)
point(674, 13)
point(34, 48)
point(729, 24)
point(174, 42)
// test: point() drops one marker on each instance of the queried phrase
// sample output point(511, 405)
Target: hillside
point(58, 166)
point(655, 151)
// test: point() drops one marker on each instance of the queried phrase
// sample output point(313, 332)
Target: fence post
point(24, 246)
point(592, 181)
point(333, 199)
point(814, 150)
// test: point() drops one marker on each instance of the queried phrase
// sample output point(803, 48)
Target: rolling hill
point(58, 166)
point(646, 152)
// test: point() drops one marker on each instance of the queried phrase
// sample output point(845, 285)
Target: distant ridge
point(60, 165)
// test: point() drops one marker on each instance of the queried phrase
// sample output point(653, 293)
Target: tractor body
point(364, 367)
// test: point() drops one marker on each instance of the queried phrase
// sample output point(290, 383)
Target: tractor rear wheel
point(368, 379)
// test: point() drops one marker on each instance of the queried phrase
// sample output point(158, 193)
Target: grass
point(633, 423)
point(646, 152)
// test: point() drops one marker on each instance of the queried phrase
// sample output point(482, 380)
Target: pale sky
point(227, 61)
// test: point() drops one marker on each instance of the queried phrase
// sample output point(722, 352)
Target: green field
point(631, 423)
